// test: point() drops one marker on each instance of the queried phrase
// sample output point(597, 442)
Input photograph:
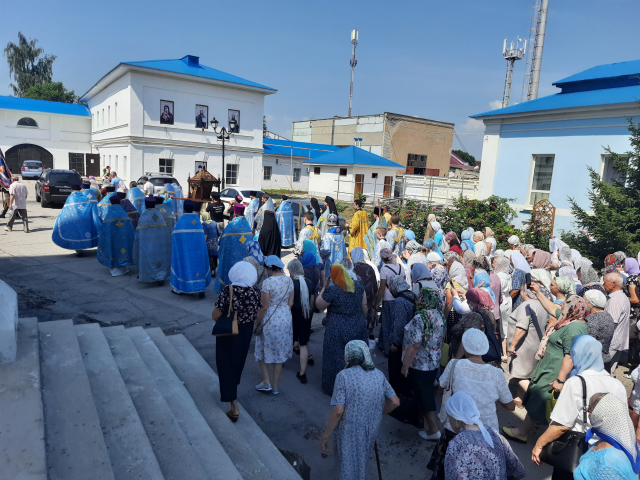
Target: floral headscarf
point(397, 284)
point(480, 297)
point(541, 259)
point(482, 280)
point(440, 277)
point(573, 309)
point(253, 249)
point(387, 256)
point(356, 353)
point(414, 247)
point(449, 237)
point(566, 285)
point(449, 256)
point(341, 277)
point(429, 299)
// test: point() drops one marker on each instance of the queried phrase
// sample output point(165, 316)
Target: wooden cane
point(375, 446)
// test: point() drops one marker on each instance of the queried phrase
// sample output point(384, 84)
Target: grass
point(284, 191)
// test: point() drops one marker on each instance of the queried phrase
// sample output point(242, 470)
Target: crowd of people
point(451, 313)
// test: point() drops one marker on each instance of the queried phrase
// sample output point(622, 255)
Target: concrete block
point(75, 445)
point(218, 459)
point(170, 446)
point(8, 323)
point(210, 453)
point(127, 443)
point(264, 448)
point(22, 450)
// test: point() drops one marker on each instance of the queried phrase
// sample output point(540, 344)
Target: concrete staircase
point(86, 402)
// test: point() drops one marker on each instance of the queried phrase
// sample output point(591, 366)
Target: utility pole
point(534, 55)
point(511, 55)
point(354, 62)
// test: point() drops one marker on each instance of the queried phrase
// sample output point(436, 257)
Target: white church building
point(147, 117)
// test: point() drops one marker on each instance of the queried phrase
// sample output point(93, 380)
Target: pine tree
point(614, 224)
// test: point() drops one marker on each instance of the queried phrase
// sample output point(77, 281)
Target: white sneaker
point(434, 437)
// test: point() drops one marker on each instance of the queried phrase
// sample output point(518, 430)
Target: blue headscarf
point(253, 249)
point(586, 354)
point(482, 280)
point(431, 245)
point(308, 259)
point(410, 235)
point(466, 241)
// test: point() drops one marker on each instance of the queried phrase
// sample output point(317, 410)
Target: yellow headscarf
point(341, 278)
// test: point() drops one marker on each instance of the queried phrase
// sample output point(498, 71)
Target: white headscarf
point(243, 274)
point(596, 298)
point(513, 240)
point(542, 276)
point(462, 407)
point(122, 187)
point(297, 271)
point(519, 262)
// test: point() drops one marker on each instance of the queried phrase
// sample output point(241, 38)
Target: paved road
point(54, 284)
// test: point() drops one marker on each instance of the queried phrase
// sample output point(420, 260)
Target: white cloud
point(472, 126)
point(496, 104)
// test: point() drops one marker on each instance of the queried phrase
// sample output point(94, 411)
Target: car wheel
point(44, 203)
point(37, 196)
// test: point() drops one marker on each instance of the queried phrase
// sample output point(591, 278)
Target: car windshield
point(32, 164)
point(64, 178)
point(159, 182)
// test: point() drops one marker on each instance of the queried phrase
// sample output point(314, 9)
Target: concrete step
point(127, 443)
point(208, 450)
point(74, 441)
point(237, 449)
point(202, 383)
point(22, 449)
point(172, 450)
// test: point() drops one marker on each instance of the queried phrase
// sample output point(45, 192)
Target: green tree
point(54, 91)
point(264, 126)
point(26, 65)
point(467, 157)
point(614, 224)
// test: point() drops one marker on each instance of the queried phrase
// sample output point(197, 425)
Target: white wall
point(329, 181)
point(281, 173)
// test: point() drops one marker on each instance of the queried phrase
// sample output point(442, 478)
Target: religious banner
point(5, 173)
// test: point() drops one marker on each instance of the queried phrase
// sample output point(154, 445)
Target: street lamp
point(223, 135)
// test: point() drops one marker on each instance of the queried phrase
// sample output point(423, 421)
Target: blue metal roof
point(355, 156)
point(611, 70)
point(17, 103)
point(568, 100)
point(190, 65)
point(300, 149)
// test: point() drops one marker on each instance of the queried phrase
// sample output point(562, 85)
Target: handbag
point(442, 416)
point(227, 325)
point(564, 453)
point(495, 349)
point(260, 328)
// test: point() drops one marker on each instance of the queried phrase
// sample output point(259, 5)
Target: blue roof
point(17, 103)
point(299, 149)
point(355, 156)
point(611, 70)
point(190, 65)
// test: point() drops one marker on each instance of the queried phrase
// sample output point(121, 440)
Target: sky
point(435, 60)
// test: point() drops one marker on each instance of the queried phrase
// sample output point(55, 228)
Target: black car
point(54, 186)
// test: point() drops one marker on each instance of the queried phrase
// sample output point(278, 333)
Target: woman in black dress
point(231, 351)
point(269, 238)
point(301, 313)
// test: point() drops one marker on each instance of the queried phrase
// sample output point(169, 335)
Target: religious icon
point(202, 114)
point(166, 112)
point(234, 121)
point(200, 166)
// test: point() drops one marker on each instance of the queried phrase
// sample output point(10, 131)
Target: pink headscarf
point(479, 296)
point(541, 259)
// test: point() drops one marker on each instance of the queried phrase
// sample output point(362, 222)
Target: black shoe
point(201, 294)
point(160, 283)
point(302, 378)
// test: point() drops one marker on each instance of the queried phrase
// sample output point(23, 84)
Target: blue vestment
point(177, 205)
point(286, 225)
point(115, 248)
point(104, 204)
point(152, 247)
point(332, 249)
point(370, 239)
point(190, 272)
point(231, 249)
point(322, 223)
point(167, 214)
point(212, 233)
point(251, 210)
point(77, 225)
point(136, 197)
point(133, 213)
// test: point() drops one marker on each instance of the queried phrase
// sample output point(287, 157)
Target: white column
point(489, 160)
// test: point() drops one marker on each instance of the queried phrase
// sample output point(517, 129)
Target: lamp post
point(223, 135)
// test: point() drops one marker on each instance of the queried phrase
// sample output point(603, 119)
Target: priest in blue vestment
point(77, 225)
point(136, 197)
point(371, 239)
point(152, 246)
point(166, 212)
point(115, 248)
point(252, 209)
point(128, 207)
point(190, 272)
point(104, 204)
point(259, 218)
point(232, 246)
point(329, 208)
point(286, 222)
point(178, 205)
point(333, 248)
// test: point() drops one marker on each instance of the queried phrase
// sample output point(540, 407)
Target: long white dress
point(275, 345)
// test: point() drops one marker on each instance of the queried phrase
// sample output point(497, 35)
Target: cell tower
point(511, 55)
point(354, 62)
point(534, 55)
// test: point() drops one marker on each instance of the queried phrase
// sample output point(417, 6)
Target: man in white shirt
point(619, 308)
point(18, 200)
point(147, 187)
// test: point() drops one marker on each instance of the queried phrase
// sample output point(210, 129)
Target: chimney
point(191, 60)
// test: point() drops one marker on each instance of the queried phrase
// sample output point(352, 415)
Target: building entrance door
point(359, 185)
point(387, 186)
point(92, 164)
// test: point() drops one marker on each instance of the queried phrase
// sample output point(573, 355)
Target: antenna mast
point(511, 55)
point(534, 56)
point(354, 62)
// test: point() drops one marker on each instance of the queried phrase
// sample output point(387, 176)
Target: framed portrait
point(234, 121)
point(202, 116)
point(166, 112)
point(200, 166)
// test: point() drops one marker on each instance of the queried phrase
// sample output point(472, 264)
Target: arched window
point(27, 122)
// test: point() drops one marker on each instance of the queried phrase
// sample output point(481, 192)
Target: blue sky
point(437, 60)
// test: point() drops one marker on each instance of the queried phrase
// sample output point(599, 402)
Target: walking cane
point(375, 446)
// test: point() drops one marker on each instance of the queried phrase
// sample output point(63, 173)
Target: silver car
point(32, 169)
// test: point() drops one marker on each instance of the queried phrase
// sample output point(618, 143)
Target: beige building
point(422, 146)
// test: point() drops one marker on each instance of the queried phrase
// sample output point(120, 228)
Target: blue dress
point(78, 224)
point(152, 247)
point(286, 225)
point(190, 272)
point(332, 249)
point(345, 322)
point(231, 249)
point(115, 248)
point(606, 464)
point(363, 395)
point(136, 197)
point(132, 211)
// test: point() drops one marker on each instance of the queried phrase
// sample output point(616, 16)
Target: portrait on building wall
point(234, 121)
point(200, 166)
point(166, 112)
point(202, 114)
